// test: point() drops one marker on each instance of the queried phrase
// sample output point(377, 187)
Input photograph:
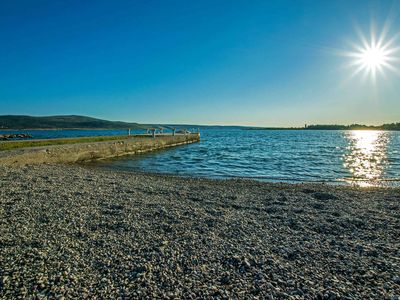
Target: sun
point(373, 59)
point(374, 56)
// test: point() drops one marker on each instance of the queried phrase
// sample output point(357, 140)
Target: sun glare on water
point(365, 158)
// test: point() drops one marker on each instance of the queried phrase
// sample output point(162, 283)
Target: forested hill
point(64, 122)
point(392, 126)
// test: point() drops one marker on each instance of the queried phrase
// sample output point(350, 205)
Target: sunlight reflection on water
point(363, 158)
point(366, 155)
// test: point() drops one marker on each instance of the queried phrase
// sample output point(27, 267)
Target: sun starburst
point(376, 55)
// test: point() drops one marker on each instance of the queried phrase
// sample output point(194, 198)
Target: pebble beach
point(74, 232)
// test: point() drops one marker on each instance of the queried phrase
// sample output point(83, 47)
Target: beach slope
point(73, 232)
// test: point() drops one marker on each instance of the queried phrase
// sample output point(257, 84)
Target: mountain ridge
point(84, 122)
point(62, 122)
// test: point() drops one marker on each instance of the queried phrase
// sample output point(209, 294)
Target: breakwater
point(6, 137)
point(87, 151)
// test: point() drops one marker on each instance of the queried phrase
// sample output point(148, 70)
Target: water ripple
point(353, 157)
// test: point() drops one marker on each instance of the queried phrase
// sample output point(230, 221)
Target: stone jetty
point(87, 151)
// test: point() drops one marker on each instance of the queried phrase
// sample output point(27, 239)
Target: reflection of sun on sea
point(366, 154)
point(365, 140)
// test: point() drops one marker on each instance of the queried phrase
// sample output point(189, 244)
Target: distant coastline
point(66, 128)
point(73, 122)
point(389, 127)
point(16, 122)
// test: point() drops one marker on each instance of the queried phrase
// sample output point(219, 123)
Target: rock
point(226, 280)
point(61, 236)
point(246, 263)
point(324, 196)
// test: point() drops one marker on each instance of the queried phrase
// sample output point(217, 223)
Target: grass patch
point(10, 145)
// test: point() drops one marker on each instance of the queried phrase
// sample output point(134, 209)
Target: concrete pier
point(88, 151)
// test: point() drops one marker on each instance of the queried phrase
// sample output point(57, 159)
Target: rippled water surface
point(362, 157)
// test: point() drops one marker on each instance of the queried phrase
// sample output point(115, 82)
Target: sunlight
point(366, 154)
point(373, 56)
point(373, 59)
point(365, 140)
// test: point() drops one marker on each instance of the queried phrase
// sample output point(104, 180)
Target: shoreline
point(70, 231)
point(77, 128)
point(240, 127)
point(388, 183)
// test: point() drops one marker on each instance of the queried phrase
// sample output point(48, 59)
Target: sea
point(360, 157)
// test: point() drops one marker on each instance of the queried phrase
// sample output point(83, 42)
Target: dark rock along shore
point(72, 232)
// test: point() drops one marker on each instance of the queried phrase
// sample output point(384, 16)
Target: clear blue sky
point(266, 63)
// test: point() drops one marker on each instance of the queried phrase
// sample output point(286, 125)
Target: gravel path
point(71, 232)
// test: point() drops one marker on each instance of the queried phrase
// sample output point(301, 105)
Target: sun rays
point(373, 56)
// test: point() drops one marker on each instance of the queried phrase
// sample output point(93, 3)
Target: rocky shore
point(6, 137)
point(69, 232)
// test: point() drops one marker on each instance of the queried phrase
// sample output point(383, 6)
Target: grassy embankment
point(11, 145)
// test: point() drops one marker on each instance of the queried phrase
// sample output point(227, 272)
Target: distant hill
point(83, 122)
point(62, 122)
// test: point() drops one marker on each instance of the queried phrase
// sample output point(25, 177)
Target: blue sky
point(265, 63)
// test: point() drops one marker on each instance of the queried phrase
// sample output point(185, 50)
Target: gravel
point(75, 232)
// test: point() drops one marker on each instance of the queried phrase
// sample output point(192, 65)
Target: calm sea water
point(361, 157)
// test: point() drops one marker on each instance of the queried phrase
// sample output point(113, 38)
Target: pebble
point(72, 232)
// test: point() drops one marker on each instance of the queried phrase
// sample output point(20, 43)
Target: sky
point(258, 63)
